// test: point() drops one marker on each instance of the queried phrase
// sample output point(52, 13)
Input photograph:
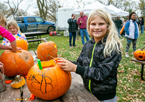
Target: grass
point(129, 88)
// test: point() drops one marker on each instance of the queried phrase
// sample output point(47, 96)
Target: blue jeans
point(111, 100)
point(142, 29)
point(82, 32)
point(70, 38)
point(119, 31)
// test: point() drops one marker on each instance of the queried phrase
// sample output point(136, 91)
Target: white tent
point(117, 12)
point(97, 5)
point(88, 8)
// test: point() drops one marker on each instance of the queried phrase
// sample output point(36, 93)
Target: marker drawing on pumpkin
point(41, 82)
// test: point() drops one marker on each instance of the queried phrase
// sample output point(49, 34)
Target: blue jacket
point(128, 30)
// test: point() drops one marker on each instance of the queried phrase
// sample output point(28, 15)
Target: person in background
point(82, 21)
point(6, 34)
point(137, 20)
point(118, 24)
point(142, 25)
point(14, 29)
point(100, 57)
point(131, 32)
point(73, 27)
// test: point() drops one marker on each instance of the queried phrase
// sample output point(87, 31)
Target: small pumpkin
point(49, 83)
point(16, 63)
point(18, 82)
point(139, 54)
point(47, 51)
point(22, 44)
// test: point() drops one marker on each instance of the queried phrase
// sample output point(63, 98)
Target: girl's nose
point(97, 27)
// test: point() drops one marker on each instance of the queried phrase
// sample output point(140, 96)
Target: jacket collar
point(100, 42)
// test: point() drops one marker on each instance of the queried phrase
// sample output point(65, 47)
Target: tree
point(142, 7)
point(4, 10)
point(14, 7)
point(48, 8)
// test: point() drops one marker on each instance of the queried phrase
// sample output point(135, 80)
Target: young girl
point(98, 62)
point(14, 29)
point(4, 33)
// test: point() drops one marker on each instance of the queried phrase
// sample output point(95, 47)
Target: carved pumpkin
point(139, 54)
point(49, 83)
point(45, 50)
point(16, 63)
point(18, 82)
point(22, 44)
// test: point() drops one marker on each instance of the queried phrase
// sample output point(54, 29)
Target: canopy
point(117, 12)
point(97, 5)
point(88, 8)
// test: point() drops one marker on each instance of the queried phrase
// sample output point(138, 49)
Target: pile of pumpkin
point(47, 83)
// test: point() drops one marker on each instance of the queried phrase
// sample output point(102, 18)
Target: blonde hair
point(13, 23)
point(2, 19)
point(113, 40)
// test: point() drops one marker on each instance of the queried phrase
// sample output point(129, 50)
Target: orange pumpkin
point(49, 83)
point(47, 51)
point(16, 63)
point(22, 44)
point(139, 54)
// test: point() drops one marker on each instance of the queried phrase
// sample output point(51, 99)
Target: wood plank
point(10, 94)
point(139, 61)
point(77, 92)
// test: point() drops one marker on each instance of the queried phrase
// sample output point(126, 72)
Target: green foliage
point(142, 7)
point(129, 87)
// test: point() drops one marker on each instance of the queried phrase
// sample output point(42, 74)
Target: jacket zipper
point(91, 66)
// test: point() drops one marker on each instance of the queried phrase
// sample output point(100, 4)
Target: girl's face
point(133, 16)
point(13, 29)
point(98, 28)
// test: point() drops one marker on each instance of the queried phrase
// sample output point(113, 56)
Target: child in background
point(14, 29)
point(6, 34)
point(98, 62)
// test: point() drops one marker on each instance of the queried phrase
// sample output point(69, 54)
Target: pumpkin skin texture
point(139, 54)
point(16, 63)
point(47, 51)
point(22, 44)
point(49, 83)
point(18, 83)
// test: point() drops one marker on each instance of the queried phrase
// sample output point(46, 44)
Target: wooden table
point(76, 93)
point(142, 66)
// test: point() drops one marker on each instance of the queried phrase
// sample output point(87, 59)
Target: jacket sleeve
point(69, 21)
point(6, 34)
point(103, 70)
point(126, 29)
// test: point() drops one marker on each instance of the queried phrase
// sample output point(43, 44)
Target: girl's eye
point(93, 24)
point(101, 24)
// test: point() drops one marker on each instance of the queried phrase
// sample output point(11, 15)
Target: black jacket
point(73, 27)
point(103, 73)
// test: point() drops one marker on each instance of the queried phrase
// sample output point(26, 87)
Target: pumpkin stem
point(17, 78)
point(39, 64)
point(142, 48)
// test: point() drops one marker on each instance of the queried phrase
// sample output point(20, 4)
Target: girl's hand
point(18, 48)
point(66, 65)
